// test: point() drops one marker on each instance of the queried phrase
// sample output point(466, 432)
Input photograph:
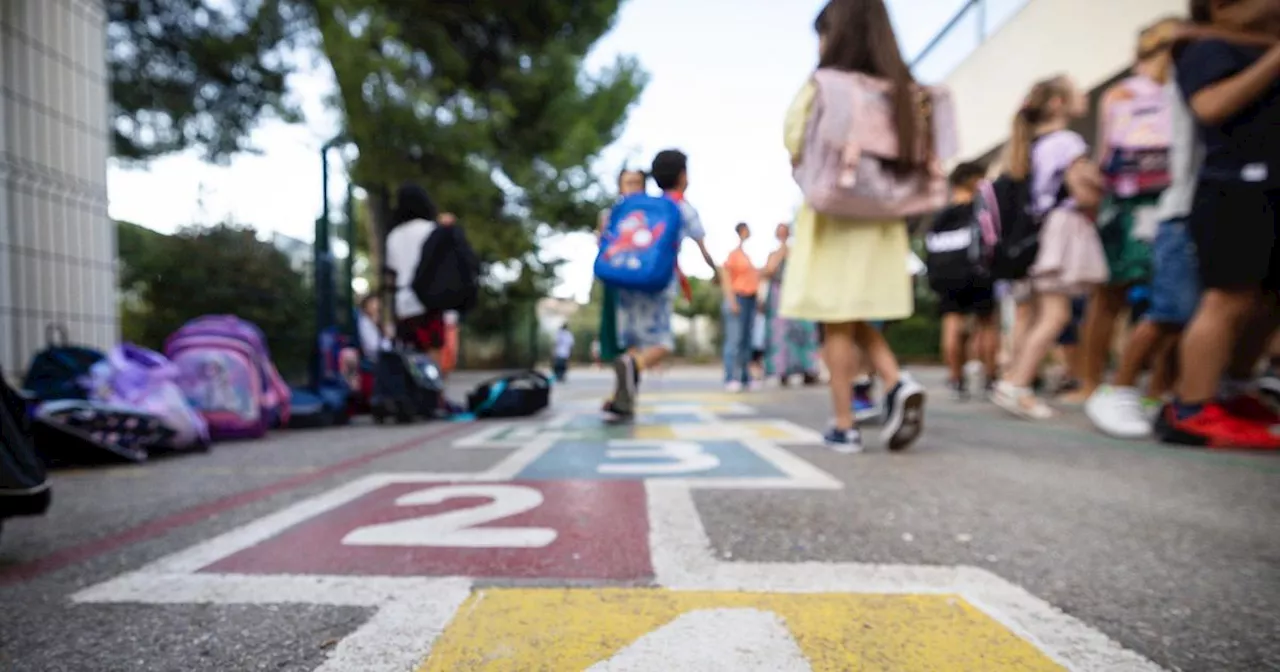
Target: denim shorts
point(1175, 281)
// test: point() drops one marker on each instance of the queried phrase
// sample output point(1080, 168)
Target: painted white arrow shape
point(713, 640)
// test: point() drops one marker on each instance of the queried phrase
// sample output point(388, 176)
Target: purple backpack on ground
point(227, 375)
point(145, 381)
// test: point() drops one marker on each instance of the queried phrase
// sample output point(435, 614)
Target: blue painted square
point(638, 460)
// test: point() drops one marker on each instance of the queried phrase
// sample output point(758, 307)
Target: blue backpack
point(639, 247)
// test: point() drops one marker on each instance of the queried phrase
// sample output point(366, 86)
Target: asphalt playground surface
point(715, 533)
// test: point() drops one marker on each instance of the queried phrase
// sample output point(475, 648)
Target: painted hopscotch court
point(581, 549)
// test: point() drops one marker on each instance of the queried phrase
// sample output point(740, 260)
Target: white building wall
point(1091, 40)
point(57, 244)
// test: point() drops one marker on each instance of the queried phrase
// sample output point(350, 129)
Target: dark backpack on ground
point(406, 386)
point(954, 253)
point(514, 396)
point(448, 272)
point(55, 372)
point(24, 488)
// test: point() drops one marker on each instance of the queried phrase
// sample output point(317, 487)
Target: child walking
point(846, 274)
point(1064, 186)
point(644, 319)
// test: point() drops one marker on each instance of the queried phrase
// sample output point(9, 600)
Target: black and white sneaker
point(624, 391)
point(846, 441)
point(959, 389)
point(904, 414)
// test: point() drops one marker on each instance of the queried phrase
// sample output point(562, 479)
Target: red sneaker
point(1249, 407)
point(1216, 428)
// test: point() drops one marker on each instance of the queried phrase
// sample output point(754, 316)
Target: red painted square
point(601, 531)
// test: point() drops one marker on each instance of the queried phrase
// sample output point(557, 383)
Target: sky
point(722, 74)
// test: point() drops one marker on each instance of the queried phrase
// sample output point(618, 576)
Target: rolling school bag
point(228, 377)
point(406, 386)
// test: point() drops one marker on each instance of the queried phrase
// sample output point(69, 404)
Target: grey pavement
point(1174, 553)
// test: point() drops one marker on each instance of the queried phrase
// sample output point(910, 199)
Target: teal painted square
point(567, 460)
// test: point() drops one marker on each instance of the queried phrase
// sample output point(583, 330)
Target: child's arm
point(1085, 183)
point(1223, 99)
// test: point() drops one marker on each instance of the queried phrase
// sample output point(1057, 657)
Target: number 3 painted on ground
point(682, 457)
point(457, 529)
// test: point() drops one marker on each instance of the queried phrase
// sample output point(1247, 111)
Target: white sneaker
point(733, 386)
point(1118, 412)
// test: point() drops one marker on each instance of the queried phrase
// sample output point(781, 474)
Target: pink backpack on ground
point(227, 375)
point(1139, 133)
point(850, 139)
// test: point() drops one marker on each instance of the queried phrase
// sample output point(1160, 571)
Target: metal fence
point(969, 27)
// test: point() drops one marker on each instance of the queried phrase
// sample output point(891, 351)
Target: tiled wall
point(57, 244)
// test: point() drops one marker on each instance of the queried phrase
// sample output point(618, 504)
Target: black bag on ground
point(515, 396)
point(954, 255)
point(24, 485)
point(448, 272)
point(406, 386)
point(55, 372)
point(71, 432)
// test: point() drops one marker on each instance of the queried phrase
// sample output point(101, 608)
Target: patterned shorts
point(644, 320)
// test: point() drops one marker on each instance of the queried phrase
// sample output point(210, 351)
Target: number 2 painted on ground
point(457, 529)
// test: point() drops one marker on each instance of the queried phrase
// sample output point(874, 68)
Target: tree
point(223, 269)
point(486, 105)
point(191, 73)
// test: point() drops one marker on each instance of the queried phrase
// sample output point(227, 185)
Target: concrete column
point(57, 244)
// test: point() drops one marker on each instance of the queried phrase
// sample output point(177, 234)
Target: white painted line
point(513, 464)
point(399, 636)
point(797, 469)
point(143, 587)
point(678, 546)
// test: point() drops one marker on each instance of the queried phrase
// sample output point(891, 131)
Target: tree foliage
point(203, 271)
point(192, 73)
point(484, 102)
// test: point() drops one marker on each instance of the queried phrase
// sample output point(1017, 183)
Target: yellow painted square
point(725, 431)
point(572, 629)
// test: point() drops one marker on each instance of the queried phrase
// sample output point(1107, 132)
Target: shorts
point(1071, 333)
point(1234, 228)
point(971, 300)
point(1126, 231)
point(644, 320)
point(424, 332)
point(1175, 288)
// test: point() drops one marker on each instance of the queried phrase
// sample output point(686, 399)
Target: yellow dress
point(842, 270)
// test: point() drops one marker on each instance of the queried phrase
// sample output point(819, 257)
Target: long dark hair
point(858, 37)
point(1034, 111)
point(413, 202)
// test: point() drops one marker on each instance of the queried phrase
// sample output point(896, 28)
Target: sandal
point(1020, 401)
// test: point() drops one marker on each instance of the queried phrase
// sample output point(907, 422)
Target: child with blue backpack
point(638, 251)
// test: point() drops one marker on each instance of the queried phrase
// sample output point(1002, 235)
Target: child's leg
point(988, 342)
point(953, 345)
point(879, 357)
point(1164, 371)
point(1053, 314)
point(1103, 310)
point(1206, 348)
point(842, 360)
point(1144, 342)
point(731, 323)
point(747, 317)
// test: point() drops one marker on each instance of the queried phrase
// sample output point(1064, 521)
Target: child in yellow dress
point(847, 274)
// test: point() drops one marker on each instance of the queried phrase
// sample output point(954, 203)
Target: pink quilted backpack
point(1139, 133)
point(849, 141)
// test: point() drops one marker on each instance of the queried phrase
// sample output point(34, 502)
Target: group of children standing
point(1180, 195)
